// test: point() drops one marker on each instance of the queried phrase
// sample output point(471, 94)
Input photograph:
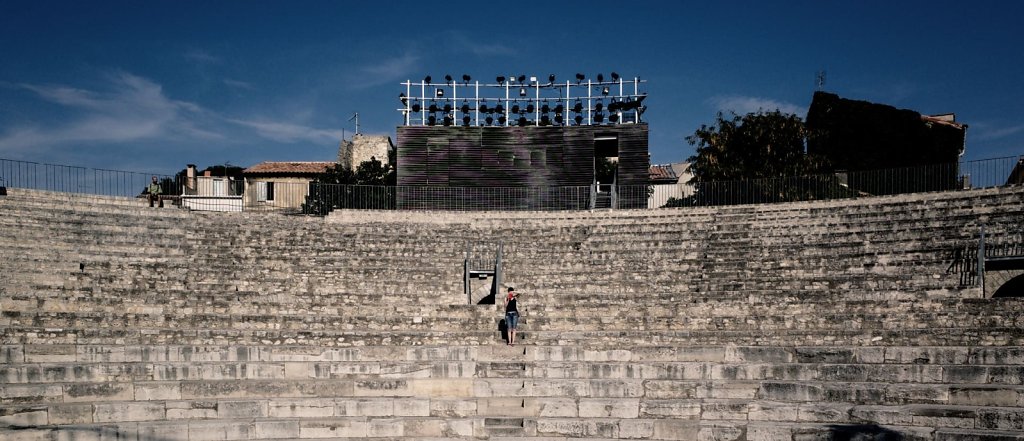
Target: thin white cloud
point(133, 108)
point(386, 71)
point(742, 105)
point(201, 56)
point(290, 132)
point(461, 43)
point(238, 84)
point(988, 132)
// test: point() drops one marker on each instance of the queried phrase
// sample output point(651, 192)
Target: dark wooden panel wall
point(515, 156)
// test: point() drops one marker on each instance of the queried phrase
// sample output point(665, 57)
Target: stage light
point(439, 92)
point(522, 121)
point(515, 108)
point(600, 78)
point(604, 90)
point(544, 120)
point(578, 107)
point(433, 107)
point(613, 106)
point(448, 79)
point(551, 79)
point(529, 108)
point(465, 107)
point(598, 117)
point(500, 80)
point(545, 108)
point(499, 108)
point(416, 107)
point(502, 120)
point(598, 107)
point(579, 77)
point(447, 108)
point(432, 120)
point(465, 120)
point(522, 91)
point(403, 99)
point(612, 118)
point(465, 78)
point(426, 79)
point(447, 120)
point(559, 109)
point(558, 119)
point(489, 120)
point(483, 108)
point(615, 76)
point(579, 119)
point(522, 79)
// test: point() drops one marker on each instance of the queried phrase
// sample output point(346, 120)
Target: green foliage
point(752, 146)
point(370, 185)
point(754, 158)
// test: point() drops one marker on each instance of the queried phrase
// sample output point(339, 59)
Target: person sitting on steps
point(511, 315)
point(153, 193)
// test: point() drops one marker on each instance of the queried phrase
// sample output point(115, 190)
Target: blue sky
point(152, 85)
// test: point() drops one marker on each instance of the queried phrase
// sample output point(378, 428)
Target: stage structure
point(523, 143)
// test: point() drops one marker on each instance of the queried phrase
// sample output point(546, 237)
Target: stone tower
point(362, 147)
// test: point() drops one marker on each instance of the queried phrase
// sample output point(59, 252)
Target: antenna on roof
point(355, 116)
point(819, 79)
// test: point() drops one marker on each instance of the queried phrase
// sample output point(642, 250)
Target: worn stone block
point(385, 428)
point(552, 407)
point(162, 432)
point(576, 428)
point(674, 429)
point(676, 409)
point(384, 388)
point(98, 392)
point(157, 391)
point(419, 429)
point(609, 408)
point(510, 407)
point(191, 410)
point(724, 410)
point(23, 415)
point(241, 409)
point(15, 394)
point(219, 430)
point(659, 389)
point(335, 428)
point(773, 411)
point(1001, 419)
point(132, 411)
point(79, 413)
point(636, 429)
point(452, 408)
point(275, 429)
point(411, 407)
point(12, 354)
point(301, 408)
point(50, 353)
point(984, 396)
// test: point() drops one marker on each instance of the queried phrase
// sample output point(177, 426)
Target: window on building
point(264, 191)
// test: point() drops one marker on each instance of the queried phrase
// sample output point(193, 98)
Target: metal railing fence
point(282, 195)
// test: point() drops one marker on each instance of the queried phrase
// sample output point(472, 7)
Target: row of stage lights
point(620, 108)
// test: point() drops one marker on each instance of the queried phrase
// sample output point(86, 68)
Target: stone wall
point(817, 320)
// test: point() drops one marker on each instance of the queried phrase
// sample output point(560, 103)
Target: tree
point(752, 146)
point(757, 157)
point(370, 185)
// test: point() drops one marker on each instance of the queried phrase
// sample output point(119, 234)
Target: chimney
point(207, 173)
point(190, 177)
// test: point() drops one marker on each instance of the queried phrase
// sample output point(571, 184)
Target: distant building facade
point(280, 185)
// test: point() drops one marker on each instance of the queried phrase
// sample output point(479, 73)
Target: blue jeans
point(512, 319)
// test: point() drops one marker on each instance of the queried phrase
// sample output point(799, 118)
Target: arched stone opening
point(1012, 288)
